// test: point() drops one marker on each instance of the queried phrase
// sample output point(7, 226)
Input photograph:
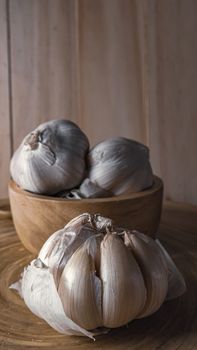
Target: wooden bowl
point(36, 217)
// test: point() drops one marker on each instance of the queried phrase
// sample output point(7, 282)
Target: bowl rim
point(157, 186)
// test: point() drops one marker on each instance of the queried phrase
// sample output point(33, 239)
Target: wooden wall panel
point(43, 63)
point(5, 138)
point(172, 48)
point(116, 67)
point(111, 68)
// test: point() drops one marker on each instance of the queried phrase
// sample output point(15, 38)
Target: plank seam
point(9, 76)
point(78, 78)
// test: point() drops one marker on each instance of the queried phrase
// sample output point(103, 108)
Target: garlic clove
point(153, 267)
point(40, 295)
point(92, 246)
point(80, 289)
point(124, 292)
point(176, 282)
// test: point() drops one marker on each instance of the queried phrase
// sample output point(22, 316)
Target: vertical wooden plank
point(111, 69)
point(173, 104)
point(43, 63)
point(4, 103)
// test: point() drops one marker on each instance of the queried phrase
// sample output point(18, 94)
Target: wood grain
point(5, 136)
point(43, 63)
point(36, 217)
point(171, 61)
point(174, 326)
point(111, 69)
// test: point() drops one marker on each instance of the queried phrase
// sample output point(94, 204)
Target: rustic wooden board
point(174, 326)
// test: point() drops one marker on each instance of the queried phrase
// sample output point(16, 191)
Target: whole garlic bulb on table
point(51, 158)
point(120, 165)
point(91, 274)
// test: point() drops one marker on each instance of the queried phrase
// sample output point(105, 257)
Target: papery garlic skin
point(92, 274)
point(120, 165)
point(176, 282)
point(51, 158)
point(40, 295)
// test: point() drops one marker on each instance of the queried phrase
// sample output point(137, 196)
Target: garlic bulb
point(120, 165)
point(92, 276)
point(51, 158)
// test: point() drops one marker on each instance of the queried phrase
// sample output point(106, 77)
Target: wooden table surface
point(173, 327)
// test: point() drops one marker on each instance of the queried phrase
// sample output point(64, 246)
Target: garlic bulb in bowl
point(91, 275)
point(120, 165)
point(51, 158)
